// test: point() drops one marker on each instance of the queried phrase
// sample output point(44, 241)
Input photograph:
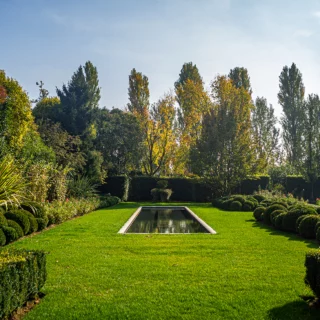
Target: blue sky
point(47, 40)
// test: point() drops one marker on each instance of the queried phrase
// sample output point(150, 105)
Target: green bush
point(298, 223)
point(16, 227)
point(235, 206)
point(318, 210)
point(239, 198)
point(19, 217)
point(22, 275)
point(318, 234)
point(248, 206)
point(3, 239)
point(269, 210)
point(274, 214)
point(259, 197)
point(257, 213)
point(2, 211)
point(312, 278)
point(162, 184)
point(10, 233)
point(36, 209)
point(41, 224)
point(278, 221)
point(32, 220)
point(307, 226)
point(290, 220)
point(281, 203)
point(3, 220)
point(108, 201)
point(162, 195)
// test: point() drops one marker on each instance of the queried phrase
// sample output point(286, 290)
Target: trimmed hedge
point(10, 234)
point(36, 209)
point(19, 217)
point(16, 227)
point(22, 275)
point(274, 215)
point(312, 278)
point(41, 223)
point(279, 220)
point(307, 226)
point(3, 220)
point(3, 239)
point(257, 213)
point(32, 220)
point(236, 206)
point(290, 220)
point(269, 210)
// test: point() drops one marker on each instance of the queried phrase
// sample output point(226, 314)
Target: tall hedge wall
point(22, 275)
point(114, 186)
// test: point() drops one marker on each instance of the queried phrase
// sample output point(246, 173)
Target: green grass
point(246, 271)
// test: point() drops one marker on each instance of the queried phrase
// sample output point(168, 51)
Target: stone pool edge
point(127, 225)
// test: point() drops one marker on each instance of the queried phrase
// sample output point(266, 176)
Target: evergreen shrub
point(236, 206)
point(16, 227)
point(307, 226)
point(274, 214)
point(19, 217)
point(3, 239)
point(257, 213)
point(278, 221)
point(312, 277)
point(10, 233)
point(22, 275)
point(269, 210)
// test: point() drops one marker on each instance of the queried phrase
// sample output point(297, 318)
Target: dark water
point(165, 221)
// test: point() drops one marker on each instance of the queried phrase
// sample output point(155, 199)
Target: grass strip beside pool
point(246, 271)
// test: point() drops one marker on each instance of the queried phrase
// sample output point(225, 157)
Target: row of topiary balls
point(238, 202)
point(298, 217)
point(16, 223)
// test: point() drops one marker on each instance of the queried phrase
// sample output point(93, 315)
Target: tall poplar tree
point(291, 98)
point(240, 78)
point(265, 133)
point(311, 167)
point(193, 103)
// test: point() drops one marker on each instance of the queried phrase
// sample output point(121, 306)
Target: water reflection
point(165, 221)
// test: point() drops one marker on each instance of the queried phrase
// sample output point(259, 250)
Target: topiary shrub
point(3, 239)
point(269, 210)
point(253, 200)
point(37, 210)
point(298, 223)
point(236, 206)
point(248, 206)
point(16, 227)
point(10, 233)
point(274, 214)
point(290, 220)
point(41, 224)
point(3, 220)
point(307, 226)
point(239, 198)
point(281, 203)
point(257, 213)
point(226, 204)
point(318, 210)
point(312, 278)
point(278, 221)
point(259, 197)
point(32, 220)
point(19, 217)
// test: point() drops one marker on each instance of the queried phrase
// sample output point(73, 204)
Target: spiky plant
point(82, 187)
point(12, 184)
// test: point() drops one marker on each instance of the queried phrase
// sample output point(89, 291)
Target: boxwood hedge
point(19, 217)
point(307, 226)
point(22, 275)
point(312, 277)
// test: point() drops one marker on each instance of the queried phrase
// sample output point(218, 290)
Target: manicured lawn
point(244, 272)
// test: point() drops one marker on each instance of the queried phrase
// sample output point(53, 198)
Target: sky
point(49, 39)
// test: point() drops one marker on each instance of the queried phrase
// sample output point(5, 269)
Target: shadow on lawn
point(291, 237)
point(296, 310)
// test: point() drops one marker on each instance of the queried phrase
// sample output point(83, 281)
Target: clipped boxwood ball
point(257, 213)
point(279, 220)
point(307, 226)
point(16, 227)
point(239, 198)
point(248, 206)
point(19, 217)
point(33, 222)
point(274, 214)
point(3, 239)
point(269, 210)
point(298, 223)
point(259, 197)
point(10, 233)
point(41, 224)
point(236, 206)
point(3, 220)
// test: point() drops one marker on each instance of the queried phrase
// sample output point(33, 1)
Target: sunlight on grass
point(244, 272)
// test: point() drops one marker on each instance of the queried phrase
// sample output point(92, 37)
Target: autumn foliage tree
point(224, 153)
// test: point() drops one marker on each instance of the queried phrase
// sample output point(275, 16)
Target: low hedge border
point(22, 275)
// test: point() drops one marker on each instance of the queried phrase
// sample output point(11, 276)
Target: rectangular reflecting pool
point(171, 219)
